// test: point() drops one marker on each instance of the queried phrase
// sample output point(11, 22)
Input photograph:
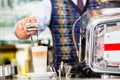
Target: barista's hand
point(21, 31)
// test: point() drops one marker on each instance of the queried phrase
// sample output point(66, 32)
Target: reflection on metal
point(8, 70)
point(102, 50)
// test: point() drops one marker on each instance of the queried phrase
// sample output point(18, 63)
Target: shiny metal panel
point(101, 32)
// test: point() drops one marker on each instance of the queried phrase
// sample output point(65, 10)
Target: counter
point(53, 78)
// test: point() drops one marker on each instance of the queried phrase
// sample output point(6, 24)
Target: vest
point(64, 15)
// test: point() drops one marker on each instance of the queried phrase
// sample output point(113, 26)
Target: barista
point(60, 16)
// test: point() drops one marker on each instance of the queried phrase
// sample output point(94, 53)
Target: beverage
point(39, 57)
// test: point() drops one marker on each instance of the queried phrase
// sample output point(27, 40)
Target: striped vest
point(64, 15)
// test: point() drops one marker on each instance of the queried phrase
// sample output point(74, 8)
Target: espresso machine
point(100, 33)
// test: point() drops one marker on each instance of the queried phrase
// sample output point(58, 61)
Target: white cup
point(39, 57)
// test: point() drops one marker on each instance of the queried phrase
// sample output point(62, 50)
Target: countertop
point(55, 78)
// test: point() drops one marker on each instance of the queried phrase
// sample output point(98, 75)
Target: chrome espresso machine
point(100, 33)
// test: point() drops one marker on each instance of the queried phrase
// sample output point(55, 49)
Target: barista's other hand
point(21, 31)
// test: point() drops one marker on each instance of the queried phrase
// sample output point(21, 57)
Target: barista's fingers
point(24, 21)
point(33, 19)
point(28, 33)
point(20, 25)
point(27, 20)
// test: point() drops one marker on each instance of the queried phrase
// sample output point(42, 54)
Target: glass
point(39, 57)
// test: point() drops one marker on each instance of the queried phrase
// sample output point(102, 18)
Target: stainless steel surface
point(8, 70)
point(56, 78)
point(96, 26)
point(31, 26)
point(1, 71)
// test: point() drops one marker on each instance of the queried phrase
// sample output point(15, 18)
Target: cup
point(39, 57)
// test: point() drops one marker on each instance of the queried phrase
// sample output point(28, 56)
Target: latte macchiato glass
point(39, 57)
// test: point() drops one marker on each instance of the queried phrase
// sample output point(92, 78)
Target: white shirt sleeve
point(42, 11)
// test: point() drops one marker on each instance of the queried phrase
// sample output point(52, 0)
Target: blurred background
point(12, 50)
